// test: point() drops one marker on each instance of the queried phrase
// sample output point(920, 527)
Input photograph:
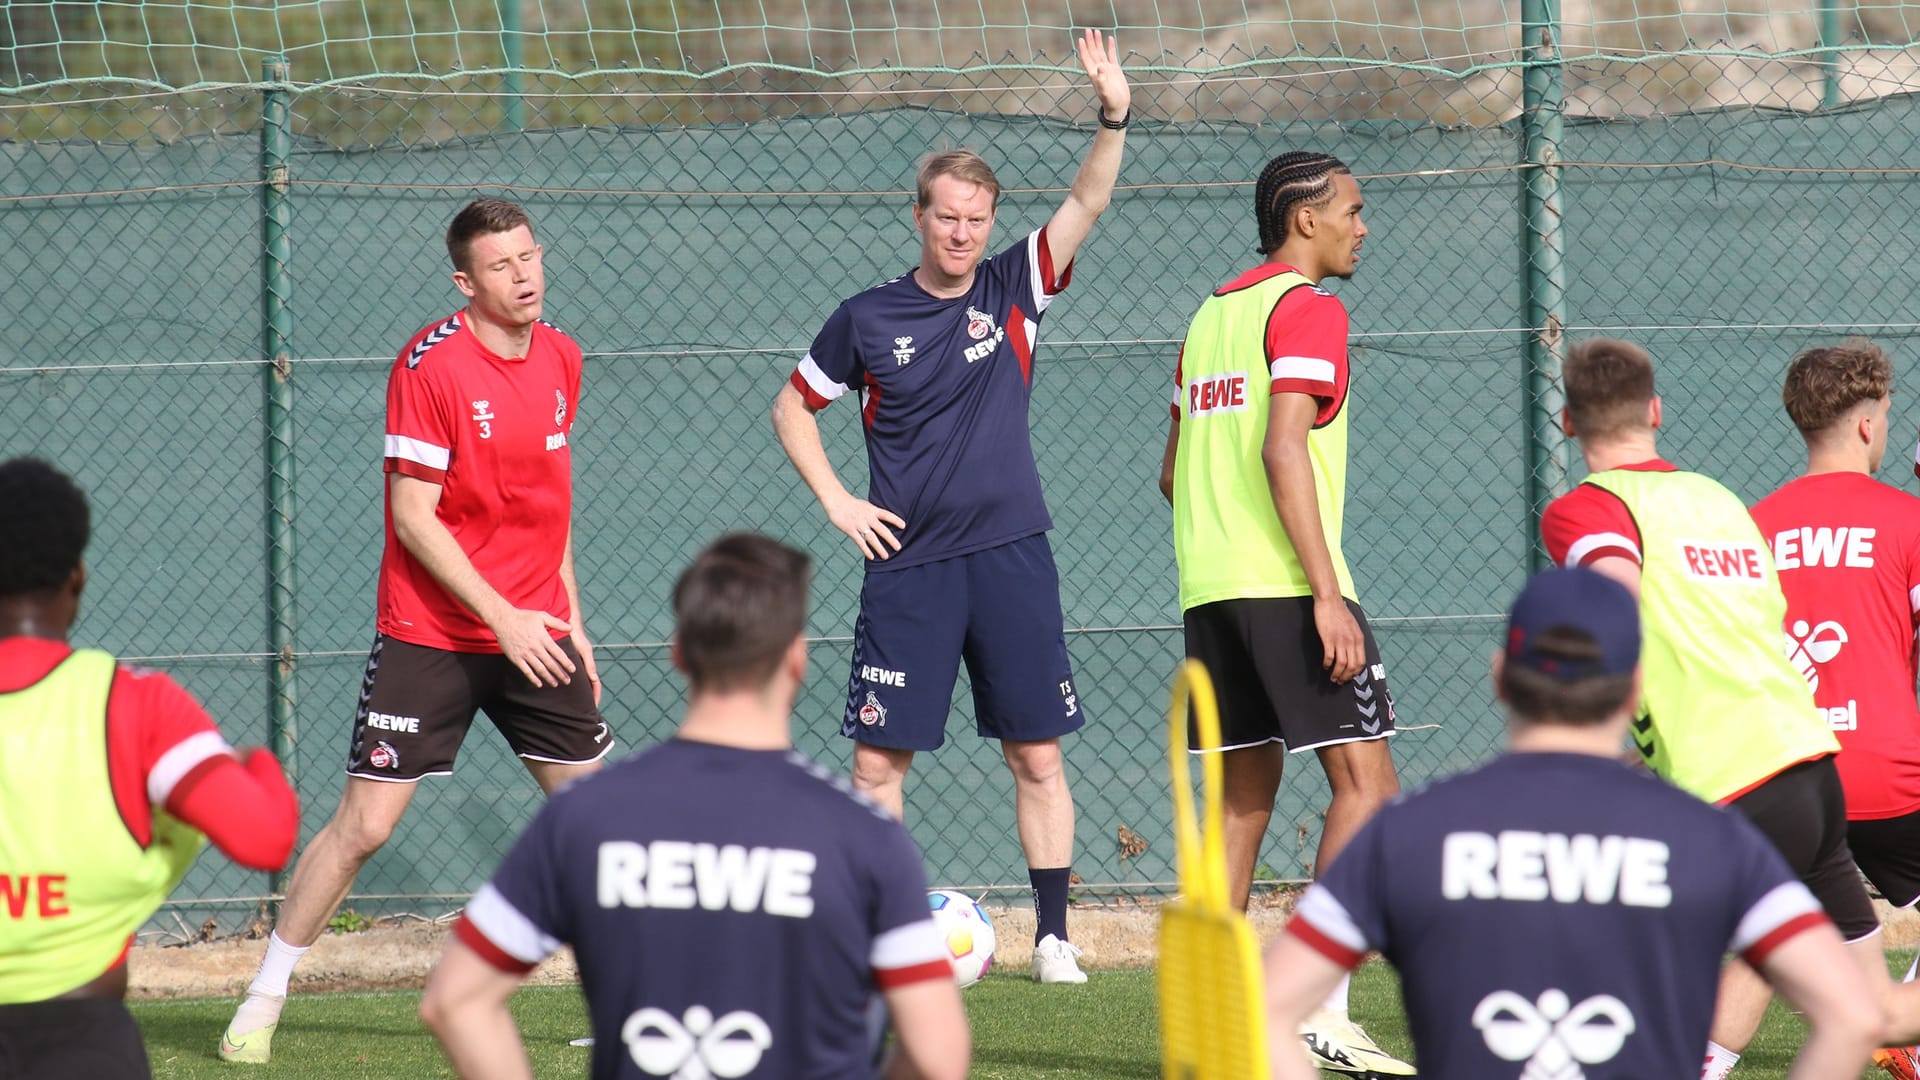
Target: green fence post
point(1543, 278)
point(511, 43)
point(1829, 56)
point(276, 141)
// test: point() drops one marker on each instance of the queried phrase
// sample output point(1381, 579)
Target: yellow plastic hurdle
point(1212, 1008)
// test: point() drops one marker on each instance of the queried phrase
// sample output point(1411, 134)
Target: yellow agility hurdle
point(1212, 1009)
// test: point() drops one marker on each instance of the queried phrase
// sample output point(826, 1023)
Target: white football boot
point(1053, 962)
point(1337, 1044)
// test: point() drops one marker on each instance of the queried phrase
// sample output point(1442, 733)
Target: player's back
point(1550, 908)
point(729, 905)
point(1847, 549)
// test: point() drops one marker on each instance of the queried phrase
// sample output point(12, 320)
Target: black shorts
point(416, 704)
point(1887, 850)
point(60, 1040)
point(1265, 657)
point(1803, 810)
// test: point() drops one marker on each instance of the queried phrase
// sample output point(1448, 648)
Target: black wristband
point(1116, 125)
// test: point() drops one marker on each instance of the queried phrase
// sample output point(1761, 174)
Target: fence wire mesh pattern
point(216, 256)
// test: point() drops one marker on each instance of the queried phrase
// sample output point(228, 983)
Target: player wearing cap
point(1724, 714)
point(943, 357)
point(1847, 549)
point(1256, 469)
point(1559, 913)
point(111, 778)
point(735, 909)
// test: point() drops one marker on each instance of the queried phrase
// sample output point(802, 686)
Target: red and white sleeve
point(420, 424)
point(909, 954)
point(1307, 348)
point(1589, 524)
point(1776, 918)
point(1322, 922)
point(504, 937)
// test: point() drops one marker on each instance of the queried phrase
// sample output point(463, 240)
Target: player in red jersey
point(94, 833)
point(478, 603)
point(1848, 551)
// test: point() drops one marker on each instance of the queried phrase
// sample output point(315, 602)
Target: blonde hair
point(959, 164)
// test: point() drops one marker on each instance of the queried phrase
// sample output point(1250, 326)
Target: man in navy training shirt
point(954, 526)
point(1556, 912)
point(735, 908)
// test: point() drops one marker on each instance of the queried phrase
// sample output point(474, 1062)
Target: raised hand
point(1100, 55)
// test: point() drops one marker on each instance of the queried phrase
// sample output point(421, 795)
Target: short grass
point(1105, 1030)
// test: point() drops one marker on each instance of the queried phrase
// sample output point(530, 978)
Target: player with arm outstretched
point(479, 605)
point(730, 902)
point(95, 832)
point(954, 525)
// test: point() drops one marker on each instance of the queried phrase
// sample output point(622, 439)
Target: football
point(968, 932)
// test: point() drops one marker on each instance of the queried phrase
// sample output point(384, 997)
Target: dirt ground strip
point(397, 955)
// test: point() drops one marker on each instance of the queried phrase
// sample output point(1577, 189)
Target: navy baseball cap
point(1581, 600)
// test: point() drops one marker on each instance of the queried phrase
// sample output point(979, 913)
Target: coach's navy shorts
point(997, 609)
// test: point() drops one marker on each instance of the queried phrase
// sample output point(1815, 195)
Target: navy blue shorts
point(999, 610)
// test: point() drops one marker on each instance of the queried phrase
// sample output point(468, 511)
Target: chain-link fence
point(214, 262)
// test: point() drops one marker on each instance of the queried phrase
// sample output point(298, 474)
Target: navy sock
point(1049, 901)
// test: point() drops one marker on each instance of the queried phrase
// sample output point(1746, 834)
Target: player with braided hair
point(1255, 467)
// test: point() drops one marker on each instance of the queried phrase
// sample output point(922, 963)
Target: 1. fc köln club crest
point(873, 714)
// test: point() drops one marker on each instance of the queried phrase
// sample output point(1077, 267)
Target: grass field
point(1105, 1030)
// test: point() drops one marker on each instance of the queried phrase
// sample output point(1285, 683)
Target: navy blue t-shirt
point(726, 907)
point(944, 386)
point(1556, 911)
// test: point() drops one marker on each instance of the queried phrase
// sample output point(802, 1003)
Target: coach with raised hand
point(954, 525)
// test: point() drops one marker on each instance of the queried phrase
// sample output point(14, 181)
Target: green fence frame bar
point(1543, 275)
point(276, 325)
point(514, 48)
point(1829, 57)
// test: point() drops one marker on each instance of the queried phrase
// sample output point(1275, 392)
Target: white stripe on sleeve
point(1786, 902)
point(1593, 542)
point(906, 946)
point(1326, 914)
point(1913, 598)
point(420, 453)
point(502, 923)
point(819, 381)
point(1305, 368)
point(175, 764)
point(1038, 278)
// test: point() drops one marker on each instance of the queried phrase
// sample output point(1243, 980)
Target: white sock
point(1337, 1001)
point(1912, 970)
point(1720, 1062)
point(276, 968)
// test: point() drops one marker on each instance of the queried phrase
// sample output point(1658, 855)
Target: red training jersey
point(492, 432)
point(1848, 551)
point(1590, 523)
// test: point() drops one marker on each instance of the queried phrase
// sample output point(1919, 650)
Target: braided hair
point(43, 527)
point(1292, 180)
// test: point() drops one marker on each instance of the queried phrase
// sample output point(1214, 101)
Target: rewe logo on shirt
point(678, 874)
point(1719, 561)
point(1808, 546)
point(1218, 394)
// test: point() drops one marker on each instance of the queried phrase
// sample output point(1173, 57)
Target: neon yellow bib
point(1227, 535)
point(1723, 707)
point(73, 882)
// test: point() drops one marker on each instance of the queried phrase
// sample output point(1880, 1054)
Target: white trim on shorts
point(1310, 746)
point(400, 779)
point(568, 761)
